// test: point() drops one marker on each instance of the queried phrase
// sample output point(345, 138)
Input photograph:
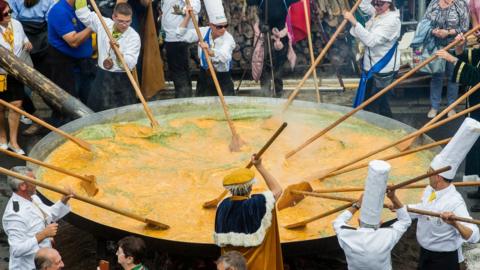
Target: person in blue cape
point(248, 223)
point(378, 39)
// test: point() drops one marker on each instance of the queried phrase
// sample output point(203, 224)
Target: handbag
point(435, 66)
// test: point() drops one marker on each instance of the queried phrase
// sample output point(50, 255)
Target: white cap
point(216, 14)
point(454, 153)
point(374, 194)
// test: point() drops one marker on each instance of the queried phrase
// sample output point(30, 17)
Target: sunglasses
point(378, 3)
point(8, 13)
point(219, 27)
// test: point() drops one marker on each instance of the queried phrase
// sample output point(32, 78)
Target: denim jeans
point(436, 86)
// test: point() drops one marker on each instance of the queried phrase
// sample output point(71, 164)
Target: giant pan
point(169, 177)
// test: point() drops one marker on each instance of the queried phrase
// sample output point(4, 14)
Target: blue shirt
point(61, 21)
point(37, 13)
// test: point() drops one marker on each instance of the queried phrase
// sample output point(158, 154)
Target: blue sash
point(203, 58)
point(367, 75)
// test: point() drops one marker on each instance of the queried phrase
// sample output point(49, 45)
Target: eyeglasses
point(123, 22)
point(378, 3)
point(219, 27)
point(8, 13)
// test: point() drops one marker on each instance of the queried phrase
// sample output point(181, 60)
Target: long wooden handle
point(418, 178)
point(85, 199)
point(83, 144)
point(46, 165)
point(319, 58)
point(303, 223)
point(268, 143)
point(356, 189)
point(443, 113)
point(214, 74)
point(376, 96)
point(393, 156)
point(310, 48)
point(435, 214)
point(214, 202)
point(119, 55)
point(411, 135)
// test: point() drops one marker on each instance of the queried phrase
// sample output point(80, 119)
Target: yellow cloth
point(432, 196)
point(268, 255)
point(9, 37)
point(238, 177)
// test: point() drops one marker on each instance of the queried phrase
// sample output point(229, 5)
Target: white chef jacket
point(170, 21)
point(19, 39)
point(129, 42)
point(378, 36)
point(367, 248)
point(435, 235)
point(222, 46)
point(22, 223)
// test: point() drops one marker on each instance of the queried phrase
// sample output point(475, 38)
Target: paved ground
point(80, 248)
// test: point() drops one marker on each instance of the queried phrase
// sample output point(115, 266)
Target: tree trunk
point(50, 92)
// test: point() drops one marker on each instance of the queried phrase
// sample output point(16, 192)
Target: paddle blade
point(91, 188)
point(236, 143)
point(83, 144)
point(272, 123)
point(152, 224)
point(406, 144)
point(213, 203)
point(290, 199)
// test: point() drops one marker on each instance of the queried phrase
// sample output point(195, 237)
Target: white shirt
point(378, 36)
point(435, 235)
point(367, 248)
point(21, 227)
point(19, 39)
point(129, 42)
point(170, 21)
point(222, 46)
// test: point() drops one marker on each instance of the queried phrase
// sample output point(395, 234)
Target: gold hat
point(239, 177)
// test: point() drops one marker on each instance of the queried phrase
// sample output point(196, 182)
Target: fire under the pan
point(167, 174)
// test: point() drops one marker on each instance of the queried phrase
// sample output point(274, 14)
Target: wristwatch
point(356, 205)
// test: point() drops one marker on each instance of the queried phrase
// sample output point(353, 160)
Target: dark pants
point(61, 71)
point(374, 85)
point(431, 260)
point(177, 60)
point(278, 59)
point(206, 87)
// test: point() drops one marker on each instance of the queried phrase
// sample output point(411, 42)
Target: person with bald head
point(29, 223)
point(48, 259)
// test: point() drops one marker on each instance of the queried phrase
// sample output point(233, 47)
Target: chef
point(441, 239)
point(368, 247)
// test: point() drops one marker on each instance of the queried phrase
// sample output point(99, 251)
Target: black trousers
point(380, 105)
point(177, 60)
point(432, 260)
point(206, 87)
point(278, 60)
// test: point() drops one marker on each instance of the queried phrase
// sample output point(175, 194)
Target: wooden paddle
point(319, 57)
point(356, 189)
point(83, 144)
point(88, 181)
point(303, 223)
point(321, 175)
point(213, 203)
point(149, 222)
point(405, 145)
point(435, 214)
point(295, 193)
point(389, 157)
point(374, 97)
point(118, 53)
point(236, 142)
point(310, 48)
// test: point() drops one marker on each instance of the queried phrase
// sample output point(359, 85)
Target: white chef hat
point(216, 14)
point(374, 194)
point(454, 153)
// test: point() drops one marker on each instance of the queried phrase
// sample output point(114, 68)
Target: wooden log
point(56, 97)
